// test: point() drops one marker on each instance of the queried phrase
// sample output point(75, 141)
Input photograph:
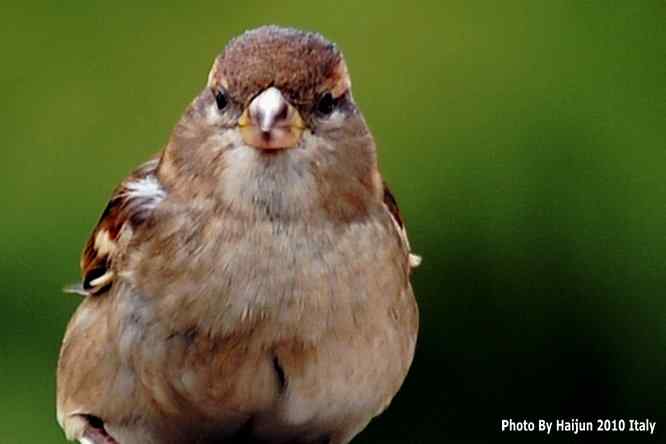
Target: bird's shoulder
point(391, 205)
point(130, 206)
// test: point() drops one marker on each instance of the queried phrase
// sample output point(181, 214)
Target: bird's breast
point(289, 319)
point(304, 276)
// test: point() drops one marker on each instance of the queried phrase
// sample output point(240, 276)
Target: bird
point(251, 282)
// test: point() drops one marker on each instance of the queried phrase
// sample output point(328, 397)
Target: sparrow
point(251, 282)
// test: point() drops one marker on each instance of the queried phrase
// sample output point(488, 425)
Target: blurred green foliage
point(524, 140)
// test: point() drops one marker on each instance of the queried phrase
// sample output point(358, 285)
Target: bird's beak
point(270, 122)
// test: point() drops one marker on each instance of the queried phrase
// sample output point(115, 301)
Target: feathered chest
point(221, 270)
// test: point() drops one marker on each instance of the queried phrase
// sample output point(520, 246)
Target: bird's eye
point(326, 104)
point(221, 99)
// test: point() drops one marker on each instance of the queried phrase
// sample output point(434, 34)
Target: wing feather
point(392, 206)
point(131, 205)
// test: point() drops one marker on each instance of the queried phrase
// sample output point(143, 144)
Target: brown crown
point(301, 64)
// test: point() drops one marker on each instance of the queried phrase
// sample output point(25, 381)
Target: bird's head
point(277, 112)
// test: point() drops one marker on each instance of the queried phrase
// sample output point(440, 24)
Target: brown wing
point(392, 206)
point(130, 206)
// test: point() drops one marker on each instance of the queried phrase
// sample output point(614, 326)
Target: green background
point(525, 142)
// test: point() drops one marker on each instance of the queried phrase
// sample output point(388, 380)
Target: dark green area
point(525, 141)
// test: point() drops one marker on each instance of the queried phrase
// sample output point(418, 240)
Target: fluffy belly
point(277, 376)
point(301, 340)
point(284, 384)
